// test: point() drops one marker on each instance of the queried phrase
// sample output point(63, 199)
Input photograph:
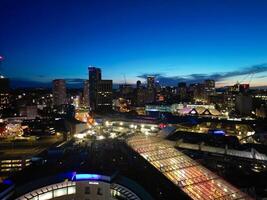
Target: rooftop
point(192, 178)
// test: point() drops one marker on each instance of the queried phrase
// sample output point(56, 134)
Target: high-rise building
point(150, 82)
point(182, 91)
point(94, 74)
point(244, 104)
point(138, 84)
point(59, 92)
point(243, 88)
point(104, 95)
point(86, 102)
point(100, 91)
point(209, 86)
point(4, 84)
point(4, 92)
point(94, 77)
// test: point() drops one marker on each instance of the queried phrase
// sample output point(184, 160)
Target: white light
point(80, 135)
point(93, 183)
point(101, 137)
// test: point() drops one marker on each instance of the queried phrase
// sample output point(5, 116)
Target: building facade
point(59, 92)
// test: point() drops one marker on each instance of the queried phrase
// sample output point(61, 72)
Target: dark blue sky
point(176, 40)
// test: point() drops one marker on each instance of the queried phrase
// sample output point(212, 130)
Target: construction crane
point(246, 77)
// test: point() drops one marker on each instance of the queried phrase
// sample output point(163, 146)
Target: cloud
point(74, 80)
point(194, 78)
point(26, 83)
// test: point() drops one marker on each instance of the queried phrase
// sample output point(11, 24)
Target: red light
point(162, 125)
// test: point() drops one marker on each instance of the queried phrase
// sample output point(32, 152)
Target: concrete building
point(59, 92)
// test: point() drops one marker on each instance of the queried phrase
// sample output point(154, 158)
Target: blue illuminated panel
point(88, 177)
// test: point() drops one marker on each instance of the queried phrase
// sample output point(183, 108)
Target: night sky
point(175, 40)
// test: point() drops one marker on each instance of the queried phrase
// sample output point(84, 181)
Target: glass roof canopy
point(192, 178)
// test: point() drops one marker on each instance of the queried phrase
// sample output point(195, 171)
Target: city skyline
point(174, 41)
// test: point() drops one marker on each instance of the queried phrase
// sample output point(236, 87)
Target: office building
point(86, 102)
point(138, 84)
point(150, 82)
point(244, 104)
point(94, 77)
point(209, 88)
point(100, 91)
point(181, 91)
point(104, 95)
point(59, 92)
point(4, 92)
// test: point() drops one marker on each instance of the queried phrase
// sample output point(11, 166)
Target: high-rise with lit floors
point(94, 77)
point(150, 95)
point(100, 91)
point(59, 92)
point(150, 82)
point(4, 92)
point(86, 102)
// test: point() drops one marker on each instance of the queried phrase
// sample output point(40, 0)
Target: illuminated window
point(71, 190)
point(6, 161)
point(60, 192)
point(45, 196)
point(6, 165)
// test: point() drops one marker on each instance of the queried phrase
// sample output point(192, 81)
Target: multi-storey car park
point(192, 178)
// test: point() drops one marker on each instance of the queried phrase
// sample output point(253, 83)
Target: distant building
point(86, 101)
point(150, 96)
point(140, 96)
point(182, 91)
point(104, 95)
point(100, 91)
point(244, 104)
point(59, 92)
point(138, 84)
point(4, 84)
point(126, 91)
point(209, 86)
point(31, 112)
point(4, 92)
point(197, 92)
point(94, 77)
point(243, 88)
point(150, 82)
